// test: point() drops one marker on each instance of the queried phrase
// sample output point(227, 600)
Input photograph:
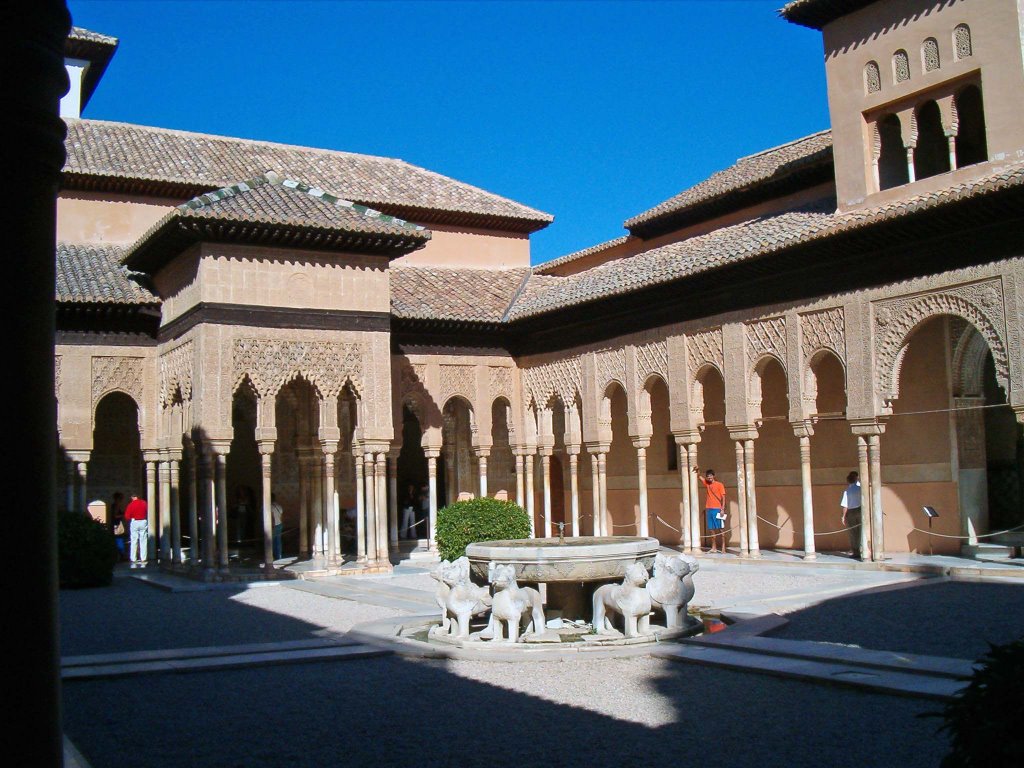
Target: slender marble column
point(574, 492)
point(304, 510)
point(877, 519)
point(684, 483)
point(360, 511)
point(381, 484)
point(805, 483)
point(164, 474)
point(209, 511)
point(175, 512)
point(951, 142)
point(864, 470)
point(266, 448)
point(691, 452)
point(70, 476)
point(748, 457)
point(644, 526)
point(371, 510)
point(222, 508)
point(151, 505)
point(595, 495)
point(328, 497)
point(432, 490)
point(530, 496)
point(482, 463)
point(83, 491)
point(520, 491)
point(193, 506)
point(741, 499)
point(316, 492)
point(602, 476)
point(393, 498)
point(545, 472)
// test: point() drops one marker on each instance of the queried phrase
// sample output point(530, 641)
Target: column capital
point(1018, 411)
point(78, 456)
point(641, 442)
point(687, 437)
point(432, 453)
point(597, 447)
point(481, 451)
point(866, 427)
point(266, 447)
point(803, 428)
point(743, 432)
point(147, 456)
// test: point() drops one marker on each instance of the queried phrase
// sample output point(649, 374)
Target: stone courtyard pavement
point(400, 710)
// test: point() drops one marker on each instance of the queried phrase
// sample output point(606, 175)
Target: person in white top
point(851, 511)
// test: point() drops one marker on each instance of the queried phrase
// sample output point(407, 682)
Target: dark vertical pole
point(33, 85)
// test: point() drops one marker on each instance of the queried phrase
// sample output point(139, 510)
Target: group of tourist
point(415, 510)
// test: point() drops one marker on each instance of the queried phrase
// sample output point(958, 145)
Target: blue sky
point(591, 111)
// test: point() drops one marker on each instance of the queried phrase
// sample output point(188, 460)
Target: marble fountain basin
point(574, 559)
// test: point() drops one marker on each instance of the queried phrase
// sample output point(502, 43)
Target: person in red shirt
point(137, 515)
point(714, 508)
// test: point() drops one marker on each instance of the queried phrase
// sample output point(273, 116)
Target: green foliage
point(485, 519)
point(984, 721)
point(86, 551)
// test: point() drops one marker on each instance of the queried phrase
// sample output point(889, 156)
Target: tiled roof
point(91, 273)
point(105, 155)
point(460, 295)
point(93, 47)
point(547, 266)
point(269, 209)
point(759, 237)
point(817, 13)
point(82, 35)
point(271, 199)
point(747, 172)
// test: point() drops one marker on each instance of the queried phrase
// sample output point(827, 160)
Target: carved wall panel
point(611, 366)
point(766, 337)
point(117, 374)
point(56, 375)
point(176, 373)
point(561, 377)
point(823, 330)
point(705, 348)
point(651, 358)
point(981, 304)
point(272, 363)
point(458, 380)
point(499, 382)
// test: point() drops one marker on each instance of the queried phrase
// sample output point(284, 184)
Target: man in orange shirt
point(714, 509)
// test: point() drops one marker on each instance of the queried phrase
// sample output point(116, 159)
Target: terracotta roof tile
point(728, 245)
point(817, 13)
point(747, 172)
point(92, 273)
point(541, 269)
point(466, 295)
point(100, 151)
point(80, 34)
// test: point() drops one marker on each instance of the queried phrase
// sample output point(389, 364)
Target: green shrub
point(86, 551)
point(984, 719)
point(485, 519)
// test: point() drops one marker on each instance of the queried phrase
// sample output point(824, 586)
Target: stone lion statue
point(630, 599)
point(510, 603)
point(457, 596)
point(671, 588)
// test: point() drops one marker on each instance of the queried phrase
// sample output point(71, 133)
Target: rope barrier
point(979, 536)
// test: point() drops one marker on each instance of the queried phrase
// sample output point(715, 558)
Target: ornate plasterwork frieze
point(117, 374)
point(271, 363)
point(705, 348)
point(56, 375)
point(766, 337)
point(823, 330)
point(499, 382)
point(176, 373)
point(611, 366)
point(980, 304)
point(651, 358)
point(560, 377)
point(458, 380)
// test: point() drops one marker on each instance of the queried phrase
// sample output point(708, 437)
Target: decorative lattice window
point(901, 66)
point(962, 42)
point(930, 54)
point(872, 77)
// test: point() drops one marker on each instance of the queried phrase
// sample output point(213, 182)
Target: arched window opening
point(962, 46)
point(900, 66)
point(931, 156)
point(930, 54)
point(971, 144)
point(892, 156)
point(872, 77)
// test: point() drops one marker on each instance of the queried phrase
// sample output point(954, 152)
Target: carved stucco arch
point(754, 382)
point(697, 385)
point(969, 363)
point(896, 323)
point(810, 377)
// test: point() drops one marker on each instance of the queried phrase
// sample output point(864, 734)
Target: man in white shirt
point(851, 511)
